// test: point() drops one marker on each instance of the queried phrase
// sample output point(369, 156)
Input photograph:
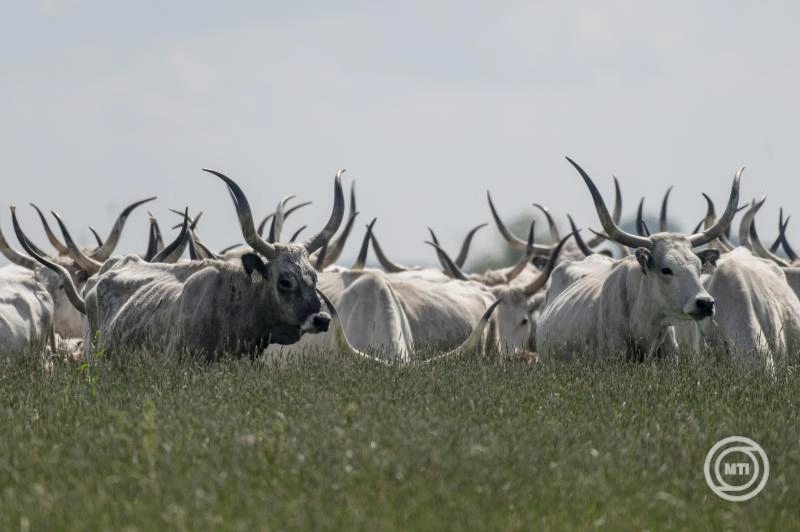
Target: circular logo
point(736, 468)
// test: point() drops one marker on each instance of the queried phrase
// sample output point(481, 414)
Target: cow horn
point(297, 233)
point(97, 238)
point(271, 215)
point(245, 217)
point(276, 227)
point(517, 244)
point(386, 262)
point(173, 252)
point(474, 340)
point(777, 243)
point(61, 248)
point(66, 279)
point(542, 278)
point(362, 253)
point(83, 261)
point(103, 252)
point(522, 263)
point(585, 249)
point(337, 246)
point(725, 220)
point(337, 215)
point(616, 214)
point(610, 227)
point(761, 251)
point(786, 247)
point(747, 219)
point(450, 269)
point(13, 255)
point(662, 217)
point(551, 224)
point(154, 242)
point(641, 227)
point(462, 254)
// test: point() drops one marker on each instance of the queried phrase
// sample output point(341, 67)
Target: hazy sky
point(426, 104)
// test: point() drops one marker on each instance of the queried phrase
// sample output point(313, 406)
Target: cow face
point(513, 317)
point(672, 275)
point(289, 281)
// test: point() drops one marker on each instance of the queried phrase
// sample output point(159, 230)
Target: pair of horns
point(267, 249)
point(634, 241)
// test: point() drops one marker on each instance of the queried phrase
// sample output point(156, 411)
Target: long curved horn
point(337, 215)
point(786, 247)
point(725, 220)
point(320, 261)
point(97, 238)
point(450, 269)
point(434, 239)
point(362, 253)
point(747, 219)
point(153, 239)
point(763, 252)
point(61, 248)
point(14, 256)
point(662, 217)
point(473, 341)
point(337, 246)
point(245, 217)
point(271, 215)
point(386, 262)
point(523, 262)
point(542, 278)
point(551, 224)
point(611, 228)
point(297, 233)
point(103, 252)
point(517, 244)
point(194, 253)
point(711, 216)
point(66, 279)
point(83, 261)
point(462, 254)
point(586, 250)
point(616, 214)
point(276, 227)
point(777, 243)
point(171, 253)
point(641, 227)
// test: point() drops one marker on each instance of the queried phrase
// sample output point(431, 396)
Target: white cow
point(630, 308)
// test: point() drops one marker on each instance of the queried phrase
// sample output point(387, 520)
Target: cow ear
point(709, 256)
point(253, 262)
point(645, 259)
point(708, 259)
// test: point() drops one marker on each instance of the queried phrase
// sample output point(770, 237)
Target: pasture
point(468, 443)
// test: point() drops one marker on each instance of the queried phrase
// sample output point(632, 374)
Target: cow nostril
point(705, 303)
point(321, 322)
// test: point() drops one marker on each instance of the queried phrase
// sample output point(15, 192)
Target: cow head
point(671, 269)
point(286, 278)
point(672, 275)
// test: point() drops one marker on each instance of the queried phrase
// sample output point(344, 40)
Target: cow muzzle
point(316, 323)
point(703, 307)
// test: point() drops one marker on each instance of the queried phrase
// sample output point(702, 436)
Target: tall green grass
point(469, 443)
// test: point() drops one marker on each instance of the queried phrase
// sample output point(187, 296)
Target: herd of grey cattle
point(667, 294)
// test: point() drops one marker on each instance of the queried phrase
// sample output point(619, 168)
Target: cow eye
point(666, 271)
point(285, 282)
point(524, 321)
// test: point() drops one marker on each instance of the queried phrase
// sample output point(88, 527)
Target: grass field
point(462, 444)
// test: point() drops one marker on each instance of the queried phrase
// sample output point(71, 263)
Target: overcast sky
point(425, 104)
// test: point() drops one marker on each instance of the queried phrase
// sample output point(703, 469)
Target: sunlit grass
point(462, 444)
